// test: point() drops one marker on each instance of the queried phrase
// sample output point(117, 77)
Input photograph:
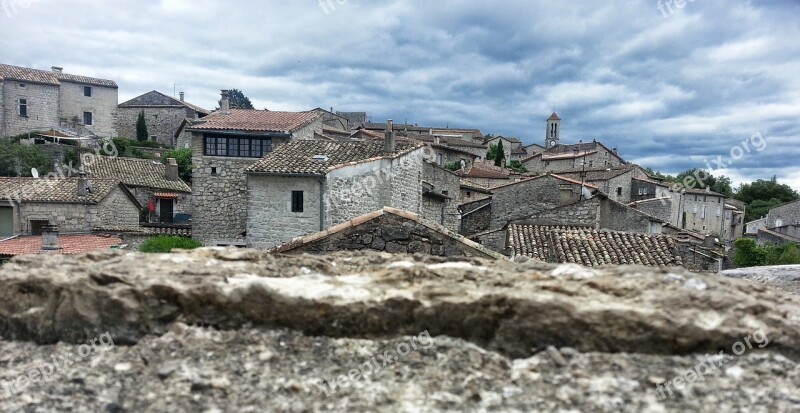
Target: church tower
point(553, 133)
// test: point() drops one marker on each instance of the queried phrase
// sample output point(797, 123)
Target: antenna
point(175, 88)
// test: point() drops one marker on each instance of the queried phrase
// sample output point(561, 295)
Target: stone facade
point(523, 199)
point(270, 220)
point(476, 217)
point(182, 205)
point(441, 207)
point(162, 123)
point(660, 208)
point(788, 214)
point(102, 104)
point(704, 212)
point(394, 234)
point(602, 157)
point(599, 213)
point(641, 190)
point(42, 107)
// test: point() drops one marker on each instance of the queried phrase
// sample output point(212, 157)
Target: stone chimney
point(50, 238)
point(171, 173)
point(82, 183)
point(389, 143)
point(57, 69)
point(225, 102)
point(437, 140)
point(182, 95)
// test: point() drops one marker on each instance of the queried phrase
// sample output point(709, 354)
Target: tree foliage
point(453, 166)
point(141, 128)
point(500, 155)
point(17, 159)
point(749, 254)
point(164, 243)
point(517, 166)
point(239, 100)
point(184, 159)
point(705, 179)
point(763, 195)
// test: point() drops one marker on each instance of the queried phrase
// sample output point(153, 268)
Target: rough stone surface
point(240, 330)
point(782, 277)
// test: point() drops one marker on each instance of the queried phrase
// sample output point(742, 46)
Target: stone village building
point(72, 205)
point(36, 100)
point(224, 144)
point(164, 115)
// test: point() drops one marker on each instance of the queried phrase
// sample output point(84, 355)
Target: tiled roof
point(135, 172)
point(298, 157)
point(554, 176)
point(255, 121)
point(476, 248)
point(448, 141)
point(49, 77)
point(159, 100)
point(54, 190)
point(481, 170)
point(569, 155)
point(554, 116)
point(591, 247)
point(69, 244)
point(599, 174)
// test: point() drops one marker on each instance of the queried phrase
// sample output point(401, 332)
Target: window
point(23, 107)
point(87, 91)
point(87, 118)
point(22, 86)
point(619, 190)
point(237, 147)
point(469, 194)
point(719, 211)
point(214, 171)
point(703, 212)
point(297, 201)
point(778, 222)
point(153, 138)
point(440, 158)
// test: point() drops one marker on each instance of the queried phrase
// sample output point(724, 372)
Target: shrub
point(164, 243)
point(17, 159)
point(748, 254)
point(184, 159)
point(141, 128)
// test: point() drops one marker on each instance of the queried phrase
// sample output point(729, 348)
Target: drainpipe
point(321, 203)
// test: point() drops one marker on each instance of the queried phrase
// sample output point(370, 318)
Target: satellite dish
point(34, 172)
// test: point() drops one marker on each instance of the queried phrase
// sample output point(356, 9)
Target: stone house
point(533, 149)
point(485, 174)
point(164, 115)
point(391, 230)
point(150, 182)
point(307, 186)
point(36, 100)
point(510, 145)
point(700, 211)
point(752, 227)
point(476, 216)
point(72, 205)
point(440, 193)
point(786, 214)
point(564, 158)
point(331, 120)
point(621, 183)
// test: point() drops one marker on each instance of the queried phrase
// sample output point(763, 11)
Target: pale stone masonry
point(787, 214)
point(34, 100)
point(164, 115)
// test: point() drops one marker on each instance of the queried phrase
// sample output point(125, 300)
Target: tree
point(141, 128)
point(492, 152)
point(762, 195)
point(453, 166)
point(517, 166)
point(17, 159)
point(500, 156)
point(705, 179)
point(239, 100)
point(184, 159)
point(164, 243)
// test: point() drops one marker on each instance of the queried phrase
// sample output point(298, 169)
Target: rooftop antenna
point(175, 88)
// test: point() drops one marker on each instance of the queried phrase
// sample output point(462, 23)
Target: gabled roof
point(566, 155)
point(69, 244)
point(603, 174)
point(591, 247)
point(554, 176)
point(249, 120)
point(57, 190)
point(49, 77)
point(132, 172)
point(554, 116)
point(478, 170)
point(155, 99)
point(297, 158)
point(465, 244)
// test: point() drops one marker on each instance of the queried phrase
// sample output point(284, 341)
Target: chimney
point(225, 102)
point(82, 183)
point(182, 95)
point(57, 69)
point(389, 144)
point(437, 140)
point(503, 163)
point(171, 173)
point(50, 238)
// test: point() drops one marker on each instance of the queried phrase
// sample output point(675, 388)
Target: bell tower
point(553, 132)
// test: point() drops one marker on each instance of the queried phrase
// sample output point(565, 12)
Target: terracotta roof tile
point(49, 77)
point(255, 121)
point(65, 77)
point(298, 157)
point(69, 244)
point(54, 190)
point(135, 172)
point(591, 247)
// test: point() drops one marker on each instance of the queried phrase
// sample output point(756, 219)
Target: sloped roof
point(551, 175)
point(55, 190)
point(478, 170)
point(599, 174)
point(155, 99)
point(298, 157)
point(591, 247)
point(473, 247)
point(250, 120)
point(132, 172)
point(554, 116)
point(49, 77)
point(69, 244)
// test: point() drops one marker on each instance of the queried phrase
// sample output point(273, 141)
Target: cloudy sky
point(673, 88)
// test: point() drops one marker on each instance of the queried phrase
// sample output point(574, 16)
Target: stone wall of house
point(270, 220)
point(393, 234)
point(582, 214)
point(162, 123)
point(102, 104)
point(42, 102)
point(406, 178)
point(714, 213)
point(448, 184)
point(476, 217)
point(183, 205)
point(530, 197)
point(117, 210)
point(494, 240)
point(68, 217)
point(788, 214)
point(617, 217)
point(643, 190)
point(307, 132)
point(697, 261)
point(658, 208)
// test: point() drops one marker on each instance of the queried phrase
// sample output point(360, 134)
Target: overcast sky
point(671, 89)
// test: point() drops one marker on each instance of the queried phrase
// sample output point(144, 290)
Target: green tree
point(500, 156)
point(492, 152)
point(721, 184)
point(453, 166)
point(17, 159)
point(184, 159)
point(141, 128)
point(748, 254)
point(517, 166)
point(239, 100)
point(763, 195)
point(164, 243)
